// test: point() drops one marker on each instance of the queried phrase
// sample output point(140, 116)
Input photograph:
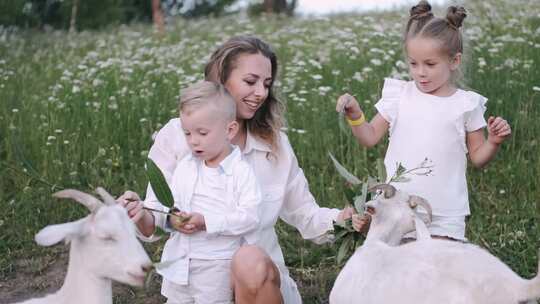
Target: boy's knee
point(252, 268)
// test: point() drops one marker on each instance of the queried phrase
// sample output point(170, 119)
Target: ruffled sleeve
point(388, 105)
point(475, 107)
point(472, 118)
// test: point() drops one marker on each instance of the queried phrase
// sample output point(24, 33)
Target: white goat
point(425, 271)
point(104, 247)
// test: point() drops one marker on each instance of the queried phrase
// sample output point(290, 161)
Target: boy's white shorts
point(209, 282)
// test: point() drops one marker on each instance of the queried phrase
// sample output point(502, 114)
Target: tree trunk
point(275, 6)
point(157, 16)
point(73, 20)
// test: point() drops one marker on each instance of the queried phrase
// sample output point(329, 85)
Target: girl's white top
point(227, 196)
point(427, 126)
point(285, 192)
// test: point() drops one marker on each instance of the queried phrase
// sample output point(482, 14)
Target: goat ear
point(53, 234)
point(107, 198)
point(422, 232)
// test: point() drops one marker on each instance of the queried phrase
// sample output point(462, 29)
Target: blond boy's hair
point(205, 93)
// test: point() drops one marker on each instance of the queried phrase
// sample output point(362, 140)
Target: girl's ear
point(232, 129)
point(455, 62)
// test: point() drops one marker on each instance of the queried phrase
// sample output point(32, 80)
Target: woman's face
point(249, 83)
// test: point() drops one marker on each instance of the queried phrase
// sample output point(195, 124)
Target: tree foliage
point(93, 14)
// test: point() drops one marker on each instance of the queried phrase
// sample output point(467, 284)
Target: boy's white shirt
point(285, 192)
point(231, 217)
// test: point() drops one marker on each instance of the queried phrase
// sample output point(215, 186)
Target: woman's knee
point(253, 268)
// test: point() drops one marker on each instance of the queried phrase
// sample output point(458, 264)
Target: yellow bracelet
point(357, 122)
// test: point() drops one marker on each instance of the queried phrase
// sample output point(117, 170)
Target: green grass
point(79, 111)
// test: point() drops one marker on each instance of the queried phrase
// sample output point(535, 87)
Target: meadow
point(79, 111)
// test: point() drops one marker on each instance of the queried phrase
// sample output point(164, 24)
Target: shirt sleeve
point(244, 218)
point(299, 207)
point(169, 146)
point(388, 105)
point(474, 112)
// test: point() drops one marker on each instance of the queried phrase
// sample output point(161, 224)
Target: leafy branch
point(425, 168)
point(356, 193)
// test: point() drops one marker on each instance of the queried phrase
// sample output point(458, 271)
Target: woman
point(247, 67)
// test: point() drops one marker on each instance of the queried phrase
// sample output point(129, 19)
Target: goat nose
point(147, 267)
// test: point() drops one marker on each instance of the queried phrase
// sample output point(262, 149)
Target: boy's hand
point(195, 223)
point(133, 205)
point(360, 222)
point(498, 130)
point(348, 105)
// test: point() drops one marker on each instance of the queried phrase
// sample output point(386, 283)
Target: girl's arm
point(367, 134)
point(482, 151)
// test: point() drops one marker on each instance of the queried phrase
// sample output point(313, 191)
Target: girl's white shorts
point(451, 226)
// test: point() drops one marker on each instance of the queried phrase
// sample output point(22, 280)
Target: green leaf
point(350, 195)
point(344, 249)
point(159, 184)
point(342, 123)
point(381, 171)
point(400, 169)
point(401, 179)
point(359, 203)
point(343, 172)
point(340, 235)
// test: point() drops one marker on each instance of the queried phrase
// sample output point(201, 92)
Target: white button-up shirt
point(285, 192)
point(227, 196)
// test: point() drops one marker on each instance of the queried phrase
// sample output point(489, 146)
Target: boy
point(217, 190)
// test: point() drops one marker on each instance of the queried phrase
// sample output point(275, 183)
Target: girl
point(429, 117)
point(247, 67)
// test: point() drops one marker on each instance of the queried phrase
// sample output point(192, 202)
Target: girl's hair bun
point(455, 16)
point(422, 9)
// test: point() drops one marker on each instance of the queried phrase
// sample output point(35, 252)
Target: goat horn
point(107, 198)
point(415, 200)
point(90, 202)
point(389, 190)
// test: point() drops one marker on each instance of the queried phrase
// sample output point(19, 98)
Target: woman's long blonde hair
point(268, 120)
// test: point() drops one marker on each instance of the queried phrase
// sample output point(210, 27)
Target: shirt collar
point(226, 164)
point(254, 143)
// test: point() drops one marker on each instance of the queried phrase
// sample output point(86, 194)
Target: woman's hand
point(498, 130)
point(133, 205)
point(345, 214)
point(360, 222)
point(348, 105)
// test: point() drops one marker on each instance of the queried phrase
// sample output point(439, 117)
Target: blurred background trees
point(94, 14)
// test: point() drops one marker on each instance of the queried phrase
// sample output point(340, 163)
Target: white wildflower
point(358, 77)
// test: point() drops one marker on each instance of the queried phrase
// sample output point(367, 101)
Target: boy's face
point(208, 133)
